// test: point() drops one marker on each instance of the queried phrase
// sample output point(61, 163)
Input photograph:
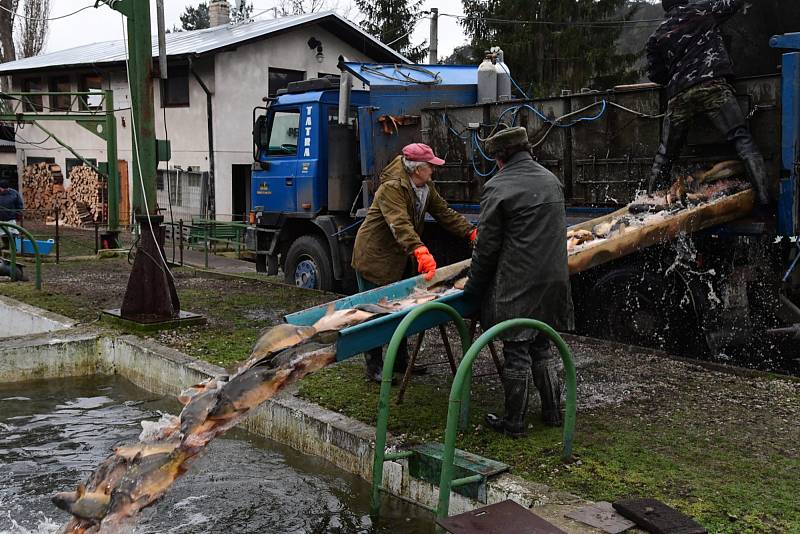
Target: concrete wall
point(304, 426)
point(238, 79)
point(19, 319)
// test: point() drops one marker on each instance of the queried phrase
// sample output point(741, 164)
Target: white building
point(238, 65)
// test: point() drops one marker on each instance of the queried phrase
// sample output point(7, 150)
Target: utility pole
point(150, 296)
point(433, 50)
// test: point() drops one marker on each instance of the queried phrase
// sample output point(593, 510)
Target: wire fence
point(58, 241)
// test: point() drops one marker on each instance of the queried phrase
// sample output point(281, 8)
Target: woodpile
point(81, 203)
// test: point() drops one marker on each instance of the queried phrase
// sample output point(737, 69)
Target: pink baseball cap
point(421, 152)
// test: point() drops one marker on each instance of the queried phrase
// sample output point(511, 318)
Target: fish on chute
point(135, 476)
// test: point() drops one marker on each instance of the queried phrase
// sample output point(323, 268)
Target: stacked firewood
point(42, 190)
point(80, 204)
point(84, 197)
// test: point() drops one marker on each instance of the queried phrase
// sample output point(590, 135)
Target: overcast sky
point(103, 24)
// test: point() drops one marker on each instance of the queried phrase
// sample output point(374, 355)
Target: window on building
point(333, 77)
point(33, 85)
point(60, 84)
point(175, 89)
point(280, 79)
point(283, 133)
point(30, 160)
point(91, 82)
point(74, 162)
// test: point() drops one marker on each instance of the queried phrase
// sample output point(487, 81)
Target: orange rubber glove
point(473, 235)
point(425, 263)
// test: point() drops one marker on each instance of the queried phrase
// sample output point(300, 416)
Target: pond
point(54, 432)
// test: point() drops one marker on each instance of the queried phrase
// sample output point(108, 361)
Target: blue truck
point(320, 146)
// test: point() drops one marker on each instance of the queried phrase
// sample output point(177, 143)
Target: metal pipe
point(434, 37)
point(13, 245)
point(180, 239)
point(344, 96)
point(210, 201)
point(386, 386)
point(459, 386)
point(58, 236)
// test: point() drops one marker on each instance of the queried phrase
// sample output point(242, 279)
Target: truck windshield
point(283, 133)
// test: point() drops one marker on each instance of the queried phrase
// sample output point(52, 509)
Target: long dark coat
point(519, 263)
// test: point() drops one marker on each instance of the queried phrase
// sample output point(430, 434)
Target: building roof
point(211, 40)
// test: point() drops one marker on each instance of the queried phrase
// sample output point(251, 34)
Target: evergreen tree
point(195, 18)
point(551, 45)
point(393, 21)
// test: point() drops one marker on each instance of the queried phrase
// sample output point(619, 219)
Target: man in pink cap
point(390, 235)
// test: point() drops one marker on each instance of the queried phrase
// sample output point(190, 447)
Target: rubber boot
point(729, 120)
point(374, 364)
point(545, 377)
point(672, 139)
point(754, 163)
point(515, 386)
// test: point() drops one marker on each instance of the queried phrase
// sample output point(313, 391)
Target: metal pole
point(162, 40)
point(456, 398)
point(113, 170)
point(434, 37)
point(180, 239)
point(386, 386)
point(58, 236)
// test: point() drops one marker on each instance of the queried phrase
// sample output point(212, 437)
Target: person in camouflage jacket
point(687, 54)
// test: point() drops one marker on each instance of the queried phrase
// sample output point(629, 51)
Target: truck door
point(274, 186)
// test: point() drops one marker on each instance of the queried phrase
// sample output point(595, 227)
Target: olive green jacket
point(390, 233)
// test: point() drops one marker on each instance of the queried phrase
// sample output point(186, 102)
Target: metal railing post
point(180, 238)
point(386, 385)
point(5, 226)
point(456, 398)
point(58, 236)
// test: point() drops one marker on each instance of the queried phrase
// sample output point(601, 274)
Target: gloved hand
point(425, 263)
point(473, 235)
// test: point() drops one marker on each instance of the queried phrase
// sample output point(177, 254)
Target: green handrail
point(13, 245)
point(461, 382)
point(386, 385)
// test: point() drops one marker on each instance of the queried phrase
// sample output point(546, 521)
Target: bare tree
point(300, 7)
point(33, 27)
point(7, 10)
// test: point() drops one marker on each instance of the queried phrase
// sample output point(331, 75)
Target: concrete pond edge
point(287, 419)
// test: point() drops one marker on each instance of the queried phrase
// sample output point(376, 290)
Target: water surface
point(53, 433)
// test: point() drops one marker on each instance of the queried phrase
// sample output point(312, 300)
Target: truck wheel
point(308, 264)
point(636, 307)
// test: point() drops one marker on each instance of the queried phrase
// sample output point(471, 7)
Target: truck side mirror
point(259, 131)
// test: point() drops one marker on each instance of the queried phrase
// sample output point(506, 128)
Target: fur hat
point(505, 138)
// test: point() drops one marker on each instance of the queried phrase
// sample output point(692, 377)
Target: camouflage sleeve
point(395, 212)
point(720, 9)
point(656, 68)
point(450, 219)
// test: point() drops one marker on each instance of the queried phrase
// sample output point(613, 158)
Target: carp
point(277, 338)
point(258, 384)
point(340, 319)
point(145, 482)
point(141, 450)
point(196, 412)
point(192, 391)
point(84, 504)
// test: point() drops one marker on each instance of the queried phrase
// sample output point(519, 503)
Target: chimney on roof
point(219, 13)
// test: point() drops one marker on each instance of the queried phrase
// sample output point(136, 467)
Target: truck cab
point(319, 148)
point(304, 178)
